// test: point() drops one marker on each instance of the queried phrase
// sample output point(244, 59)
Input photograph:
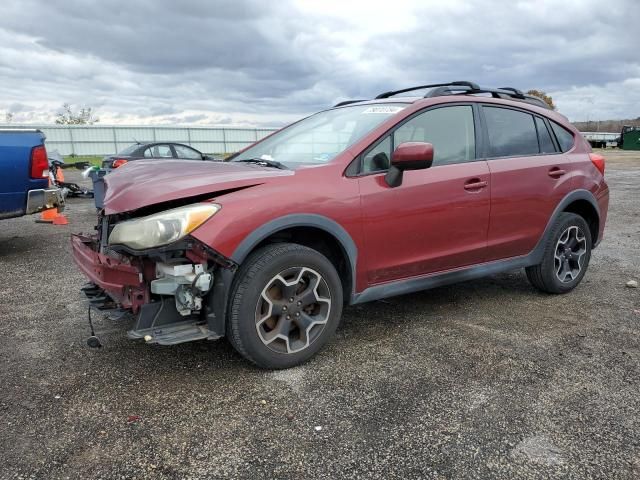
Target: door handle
point(556, 172)
point(475, 184)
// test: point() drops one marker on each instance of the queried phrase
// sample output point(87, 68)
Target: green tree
point(68, 116)
point(547, 98)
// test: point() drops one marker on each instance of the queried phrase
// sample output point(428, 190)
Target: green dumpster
point(631, 139)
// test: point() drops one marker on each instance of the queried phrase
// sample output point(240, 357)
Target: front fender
point(219, 298)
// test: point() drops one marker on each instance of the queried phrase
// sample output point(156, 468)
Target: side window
point(158, 151)
point(449, 129)
point(378, 159)
point(546, 144)
point(187, 153)
point(564, 136)
point(511, 133)
point(162, 151)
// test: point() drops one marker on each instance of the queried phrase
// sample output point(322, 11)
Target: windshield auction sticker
point(383, 109)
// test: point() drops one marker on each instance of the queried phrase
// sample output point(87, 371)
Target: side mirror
point(408, 156)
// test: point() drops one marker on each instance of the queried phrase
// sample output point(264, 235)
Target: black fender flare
point(219, 298)
point(536, 254)
point(297, 220)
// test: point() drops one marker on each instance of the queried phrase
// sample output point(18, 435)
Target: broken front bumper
point(123, 282)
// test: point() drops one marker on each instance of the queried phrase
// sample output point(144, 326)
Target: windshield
point(320, 137)
point(129, 150)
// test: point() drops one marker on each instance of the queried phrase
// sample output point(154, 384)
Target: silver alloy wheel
point(569, 254)
point(293, 310)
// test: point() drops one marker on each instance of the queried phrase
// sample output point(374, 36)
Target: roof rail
point(514, 90)
point(459, 83)
point(347, 102)
point(503, 92)
point(461, 87)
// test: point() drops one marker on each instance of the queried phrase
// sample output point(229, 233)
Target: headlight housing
point(162, 228)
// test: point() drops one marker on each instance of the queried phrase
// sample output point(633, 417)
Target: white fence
point(105, 140)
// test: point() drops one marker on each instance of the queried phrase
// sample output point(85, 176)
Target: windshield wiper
point(264, 163)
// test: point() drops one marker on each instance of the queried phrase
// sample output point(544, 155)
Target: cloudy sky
point(265, 63)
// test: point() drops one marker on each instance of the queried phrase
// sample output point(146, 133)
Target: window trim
point(358, 161)
point(558, 145)
point(546, 121)
point(549, 132)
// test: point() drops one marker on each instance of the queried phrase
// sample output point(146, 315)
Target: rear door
point(438, 218)
point(529, 177)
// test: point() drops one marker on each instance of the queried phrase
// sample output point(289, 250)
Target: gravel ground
point(486, 379)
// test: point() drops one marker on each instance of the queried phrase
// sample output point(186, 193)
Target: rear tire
point(566, 256)
point(286, 303)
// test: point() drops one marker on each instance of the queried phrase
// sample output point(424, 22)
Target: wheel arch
point(589, 212)
point(312, 230)
point(579, 202)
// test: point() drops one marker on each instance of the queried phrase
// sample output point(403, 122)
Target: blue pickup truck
point(24, 174)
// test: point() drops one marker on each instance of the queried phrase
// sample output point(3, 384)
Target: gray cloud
point(257, 62)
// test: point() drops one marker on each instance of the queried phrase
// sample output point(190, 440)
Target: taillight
point(39, 163)
point(598, 161)
point(118, 162)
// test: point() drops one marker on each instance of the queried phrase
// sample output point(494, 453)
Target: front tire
point(566, 256)
point(286, 303)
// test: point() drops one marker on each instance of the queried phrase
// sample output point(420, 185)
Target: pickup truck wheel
point(566, 256)
point(286, 303)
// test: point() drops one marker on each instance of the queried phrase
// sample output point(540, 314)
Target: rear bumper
point(43, 199)
point(122, 281)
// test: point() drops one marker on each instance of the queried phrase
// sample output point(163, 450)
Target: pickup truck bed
point(24, 185)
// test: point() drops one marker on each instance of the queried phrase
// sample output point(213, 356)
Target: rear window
point(511, 132)
point(129, 150)
point(564, 136)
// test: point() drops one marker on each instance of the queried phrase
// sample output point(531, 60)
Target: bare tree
point(8, 118)
point(84, 116)
point(547, 98)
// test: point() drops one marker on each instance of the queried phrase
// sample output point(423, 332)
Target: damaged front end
point(173, 292)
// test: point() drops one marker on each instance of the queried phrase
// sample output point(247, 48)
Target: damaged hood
point(147, 182)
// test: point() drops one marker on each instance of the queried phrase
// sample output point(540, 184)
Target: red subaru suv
point(365, 200)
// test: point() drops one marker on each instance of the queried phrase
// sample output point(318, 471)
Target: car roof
point(151, 144)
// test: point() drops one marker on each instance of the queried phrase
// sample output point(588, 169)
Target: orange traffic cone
point(48, 216)
point(60, 220)
point(51, 215)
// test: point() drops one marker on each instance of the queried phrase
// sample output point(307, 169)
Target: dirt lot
point(487, 379)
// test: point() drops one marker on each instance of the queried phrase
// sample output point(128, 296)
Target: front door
point(438, 218)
